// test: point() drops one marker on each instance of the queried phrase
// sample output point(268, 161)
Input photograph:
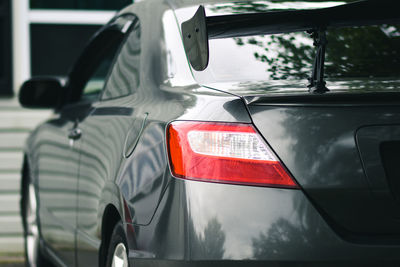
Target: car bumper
point(206, 224)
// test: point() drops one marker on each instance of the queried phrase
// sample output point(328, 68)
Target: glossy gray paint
point(318, 145)
point(334, 219)
point(281, 226)
point(104, 175)
point(57, 168)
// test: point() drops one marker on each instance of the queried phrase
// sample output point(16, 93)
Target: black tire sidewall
point(41, 261)
point(118, 236)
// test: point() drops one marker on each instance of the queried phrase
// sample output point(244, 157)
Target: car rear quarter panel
point(228, 225)
point(144, 175)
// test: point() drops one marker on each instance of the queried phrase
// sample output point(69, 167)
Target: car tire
point(33, 253)
point(117, 254)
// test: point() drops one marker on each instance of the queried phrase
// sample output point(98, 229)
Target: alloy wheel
point(32, 232)
point(120, 257)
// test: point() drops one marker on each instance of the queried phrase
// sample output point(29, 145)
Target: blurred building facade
point(37, 38)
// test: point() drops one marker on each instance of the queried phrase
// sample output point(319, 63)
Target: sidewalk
point(11, 260)
point(18, 264)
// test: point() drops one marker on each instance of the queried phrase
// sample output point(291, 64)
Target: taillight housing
point(231, 153)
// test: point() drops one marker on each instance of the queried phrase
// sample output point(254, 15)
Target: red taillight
point(225, 153)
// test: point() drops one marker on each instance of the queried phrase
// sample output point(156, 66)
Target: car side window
point(95, 83)
point(125, 74)
point(91, 71)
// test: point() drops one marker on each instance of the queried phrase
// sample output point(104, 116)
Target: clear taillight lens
point(224, 153)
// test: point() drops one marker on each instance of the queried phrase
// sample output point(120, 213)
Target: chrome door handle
point(75, 134)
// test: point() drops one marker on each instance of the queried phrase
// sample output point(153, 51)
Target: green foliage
point(370, 51)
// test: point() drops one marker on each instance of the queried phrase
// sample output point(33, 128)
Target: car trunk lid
point(343, 151)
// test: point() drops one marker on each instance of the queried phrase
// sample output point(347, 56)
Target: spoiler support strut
point(317, 83)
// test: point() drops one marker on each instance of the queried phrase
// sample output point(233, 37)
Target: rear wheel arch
point(110, 218)
point(117, 252)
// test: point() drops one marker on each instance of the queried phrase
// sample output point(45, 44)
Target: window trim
point(76, 84)
point(127, 33)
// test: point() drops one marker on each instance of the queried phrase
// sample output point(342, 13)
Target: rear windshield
point(372, 51)
point(356, 53)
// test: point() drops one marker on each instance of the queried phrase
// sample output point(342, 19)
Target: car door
point(57, 172)
point(60, 151)
point(103, 142)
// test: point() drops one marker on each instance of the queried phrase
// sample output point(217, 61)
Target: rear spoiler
point(200, 28)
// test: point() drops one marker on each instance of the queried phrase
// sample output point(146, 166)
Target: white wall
point(16, 122)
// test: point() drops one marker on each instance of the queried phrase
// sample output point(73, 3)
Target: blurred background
point(37, 37)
